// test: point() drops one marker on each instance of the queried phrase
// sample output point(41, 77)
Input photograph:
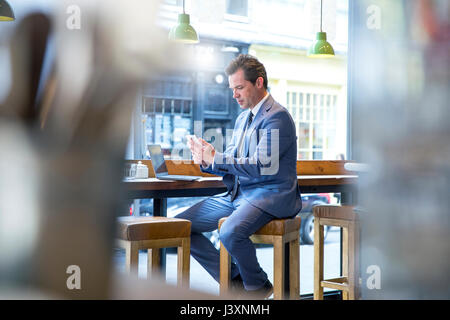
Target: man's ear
point(260, 82)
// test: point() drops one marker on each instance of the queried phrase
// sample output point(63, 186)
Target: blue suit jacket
point(268, 172)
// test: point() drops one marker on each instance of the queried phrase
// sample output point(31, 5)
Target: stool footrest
point(336, 283)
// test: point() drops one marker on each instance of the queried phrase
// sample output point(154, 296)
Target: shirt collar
point(260, 103)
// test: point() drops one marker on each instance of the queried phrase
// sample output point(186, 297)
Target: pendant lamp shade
point(6, 13)
point(183, 32)
point(321, 48)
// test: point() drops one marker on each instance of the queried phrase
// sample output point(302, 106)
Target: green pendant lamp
point(183, 32)
point(6, 13)
point(321, 48)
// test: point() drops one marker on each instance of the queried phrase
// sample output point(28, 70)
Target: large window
point(312, 90)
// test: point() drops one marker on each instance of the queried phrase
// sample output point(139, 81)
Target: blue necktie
point(242, 141)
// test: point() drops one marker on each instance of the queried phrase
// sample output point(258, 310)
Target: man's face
point(246, 93)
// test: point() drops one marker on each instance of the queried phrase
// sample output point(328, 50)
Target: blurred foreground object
point(63, 133)
point(400, 121)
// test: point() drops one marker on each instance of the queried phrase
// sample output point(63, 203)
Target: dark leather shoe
point(262, 293)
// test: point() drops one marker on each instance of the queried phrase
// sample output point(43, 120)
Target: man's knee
point(230, 236)
point(198, 222)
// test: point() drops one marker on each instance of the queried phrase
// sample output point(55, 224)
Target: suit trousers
point(244, 220)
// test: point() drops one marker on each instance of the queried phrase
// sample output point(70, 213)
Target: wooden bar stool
point(344, 217)
point(277, 232)
point(153, 233)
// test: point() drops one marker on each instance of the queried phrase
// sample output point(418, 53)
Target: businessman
point(259, 170)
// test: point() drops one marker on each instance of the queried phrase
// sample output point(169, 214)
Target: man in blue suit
point(259, 170)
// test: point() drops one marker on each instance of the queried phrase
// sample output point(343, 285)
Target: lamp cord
point(183, 8)
point(320, 15)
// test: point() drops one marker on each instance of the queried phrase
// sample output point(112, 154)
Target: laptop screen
point(157, 158)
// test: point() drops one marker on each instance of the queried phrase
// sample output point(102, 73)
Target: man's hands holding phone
point(202, 151)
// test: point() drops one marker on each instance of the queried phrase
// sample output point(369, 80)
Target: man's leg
point(235, 235)
point(204, 217)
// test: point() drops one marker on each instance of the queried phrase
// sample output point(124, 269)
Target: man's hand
point(208, 153)
point(196, 149)
point(202, 152)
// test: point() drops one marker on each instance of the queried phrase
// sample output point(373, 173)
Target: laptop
point(159, 165)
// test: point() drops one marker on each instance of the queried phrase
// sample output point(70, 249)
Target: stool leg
point(132, 257)
point(356, 259)
point(183, 260)
point(294, 268)
point(345, 258)
point(351, 262)
point(278, 268)
point(225, 270)
point(318, 259)
point(153, 267)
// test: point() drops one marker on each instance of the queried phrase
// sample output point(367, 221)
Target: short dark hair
point(253, 69)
